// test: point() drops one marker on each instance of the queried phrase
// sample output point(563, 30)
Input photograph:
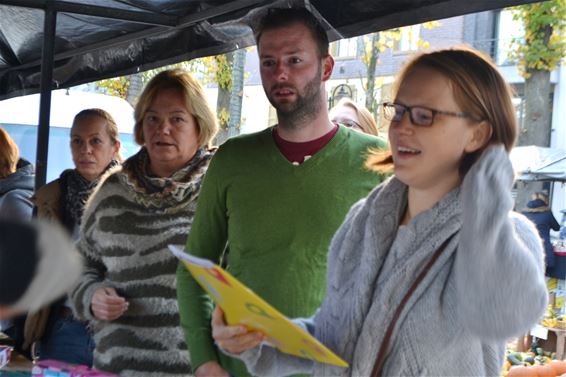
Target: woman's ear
point(480, 136)
point(117, 146)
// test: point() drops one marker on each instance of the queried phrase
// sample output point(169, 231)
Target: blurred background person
point(350, 114)
point(128, 292)
point(95, 147)
point(540, 214)
point(17, 180)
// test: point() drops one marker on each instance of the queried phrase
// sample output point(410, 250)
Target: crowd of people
point(405, 260)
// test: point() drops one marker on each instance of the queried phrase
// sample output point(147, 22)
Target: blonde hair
point(366, 120)
point(9, 154)
point(195, 102)
point(111, 126)
point(479, 89)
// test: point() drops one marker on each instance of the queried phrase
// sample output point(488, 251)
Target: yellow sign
point(242, 306)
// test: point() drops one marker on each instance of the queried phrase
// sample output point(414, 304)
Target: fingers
point(234, 339)
point(217, 317)
point(107, 305)
point(220, 330)
point(211, 368)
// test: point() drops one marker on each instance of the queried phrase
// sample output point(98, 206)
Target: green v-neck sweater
point(277, 220)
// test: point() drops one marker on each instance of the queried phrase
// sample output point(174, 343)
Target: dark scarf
point(169, 194)
point(75, 191)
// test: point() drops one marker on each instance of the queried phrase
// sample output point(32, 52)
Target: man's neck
point(305, 130)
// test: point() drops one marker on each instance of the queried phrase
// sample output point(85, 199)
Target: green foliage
point(199, 67)
point(374, 45)
point(223, 72)
point(208, 69)
point(223, 117)
point(544, 44)
point(117, 86)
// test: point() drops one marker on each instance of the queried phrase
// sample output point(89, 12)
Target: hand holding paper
point(234, 339)
point(243, 307)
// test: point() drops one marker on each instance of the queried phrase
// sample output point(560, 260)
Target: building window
point(339, 92)
point(507, 29)
point(408, 39)
point(344, 48)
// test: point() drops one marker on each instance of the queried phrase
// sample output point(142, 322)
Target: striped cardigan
point(124, 237)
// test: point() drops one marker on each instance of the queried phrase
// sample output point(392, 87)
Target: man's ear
point(480, 136)
point(327, 67)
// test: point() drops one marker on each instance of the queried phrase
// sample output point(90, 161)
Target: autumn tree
point(130, 87)
point(116, 86)
point(226, 70)
point(537, 53)
point(229, 74)
point(374, 45)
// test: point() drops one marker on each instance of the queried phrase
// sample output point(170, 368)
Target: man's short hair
point(282, 17)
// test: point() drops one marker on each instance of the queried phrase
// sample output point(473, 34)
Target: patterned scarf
point(75, 191)
point(169, 194)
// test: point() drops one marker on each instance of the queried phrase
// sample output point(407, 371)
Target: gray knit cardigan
point(487, 286)
point(124, 237)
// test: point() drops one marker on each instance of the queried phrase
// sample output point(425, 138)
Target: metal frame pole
point(49, 26)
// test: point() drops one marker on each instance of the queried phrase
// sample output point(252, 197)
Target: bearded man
point(276, 197)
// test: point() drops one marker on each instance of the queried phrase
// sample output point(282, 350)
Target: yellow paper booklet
point(242, 306)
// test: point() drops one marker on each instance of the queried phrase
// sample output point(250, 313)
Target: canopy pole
point(49, 25)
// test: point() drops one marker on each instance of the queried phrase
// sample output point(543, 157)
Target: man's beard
point(304, 108)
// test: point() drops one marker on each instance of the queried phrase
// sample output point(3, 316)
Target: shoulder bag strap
point(380, 359)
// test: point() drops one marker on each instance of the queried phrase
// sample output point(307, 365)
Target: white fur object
point(58, 268)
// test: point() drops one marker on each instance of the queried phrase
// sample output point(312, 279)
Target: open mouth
point(282, 91)
point(405, 151)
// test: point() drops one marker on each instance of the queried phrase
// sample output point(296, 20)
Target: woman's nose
point(85, 148)
point(404, 125)
point(165, 127)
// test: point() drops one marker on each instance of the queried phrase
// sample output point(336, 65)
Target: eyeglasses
point(420, 116)
point(348, 123)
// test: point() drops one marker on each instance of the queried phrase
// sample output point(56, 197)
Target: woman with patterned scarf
point(128, 290)
point(54, 331)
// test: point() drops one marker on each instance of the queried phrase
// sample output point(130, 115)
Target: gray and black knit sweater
point(126, 228)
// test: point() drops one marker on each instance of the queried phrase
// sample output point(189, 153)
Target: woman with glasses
point(349, 114)
point(432, 272)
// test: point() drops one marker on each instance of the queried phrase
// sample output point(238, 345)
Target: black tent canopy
point(51, 44)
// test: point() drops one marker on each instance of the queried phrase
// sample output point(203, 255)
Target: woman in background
point(128, 292)
point(432, 272)
point(95, 147)
point(17, 181)
point(540, 214)
point(352, 115)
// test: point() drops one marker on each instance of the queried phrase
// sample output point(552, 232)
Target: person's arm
point(261, 359)
point(553, 223)
point(499, 271)
point(95, 270)
point(207, 239)
point(16, 206)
